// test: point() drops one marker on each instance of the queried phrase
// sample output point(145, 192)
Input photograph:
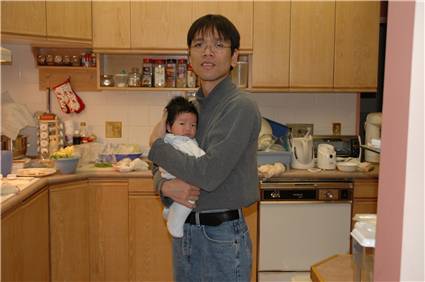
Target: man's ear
point(235, 58)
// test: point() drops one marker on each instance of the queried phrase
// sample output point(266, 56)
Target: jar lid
point(182, 61)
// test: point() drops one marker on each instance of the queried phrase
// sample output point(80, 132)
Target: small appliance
point(326, 157)
point(346, 146)
point(373, 131)
point(302, 152)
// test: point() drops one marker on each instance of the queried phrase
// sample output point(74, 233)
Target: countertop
point(91, 172)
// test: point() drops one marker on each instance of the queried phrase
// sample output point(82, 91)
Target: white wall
point(412, 254)
point(139, 111)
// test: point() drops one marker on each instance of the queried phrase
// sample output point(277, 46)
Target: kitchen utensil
point(67, 166)
point(35, 172)
point(302, 152)
point(347, 166)
point(326, 157)
point(373, 131)
point(6, 162)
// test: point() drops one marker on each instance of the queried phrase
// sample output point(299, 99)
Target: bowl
point(132, 156)
point(67, 166)
point(347, 166)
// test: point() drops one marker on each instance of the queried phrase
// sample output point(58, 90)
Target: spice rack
point(117, 63)
point(83, 78)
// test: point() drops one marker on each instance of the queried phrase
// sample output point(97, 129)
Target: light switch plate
point(113, 129)
point(300, 129)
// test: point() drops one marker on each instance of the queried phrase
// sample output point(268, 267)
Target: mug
point(6, 162)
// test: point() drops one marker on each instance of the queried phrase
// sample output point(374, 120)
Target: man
point(216, 245)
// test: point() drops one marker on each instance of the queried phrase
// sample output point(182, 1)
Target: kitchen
point(320, 108)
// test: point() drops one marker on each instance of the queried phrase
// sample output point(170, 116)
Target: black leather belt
point(213, 218)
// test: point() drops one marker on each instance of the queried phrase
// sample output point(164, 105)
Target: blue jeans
point(213, 253)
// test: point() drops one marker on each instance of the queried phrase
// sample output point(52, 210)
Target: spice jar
point(134, 78)
point(75, 61)
point(66, 60)
point(49, 60)
point(107, 80)
point(181, 73)
point(41, 59)
point(147, 73)
point(191, 77)
point(159, 73)
point(170, 73)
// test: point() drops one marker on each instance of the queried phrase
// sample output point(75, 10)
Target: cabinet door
point(25, 241)
point(251, 218)
point(150, 244)
point(69, 231)
point(23, 17)
point(270, 60)
point(160, 24)
point(69, 19)
point(356, 44)
point(109, 230)
point(111, 24)
point(240, 13)
point(312, 44)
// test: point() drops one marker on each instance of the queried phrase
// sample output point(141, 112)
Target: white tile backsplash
point(139, 111)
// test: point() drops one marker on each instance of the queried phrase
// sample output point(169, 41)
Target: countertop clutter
point(93, 172)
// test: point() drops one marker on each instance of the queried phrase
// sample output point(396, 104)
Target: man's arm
point(174, 190)
point(227, 142)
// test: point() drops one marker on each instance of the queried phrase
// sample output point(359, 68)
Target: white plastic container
point(363, 248)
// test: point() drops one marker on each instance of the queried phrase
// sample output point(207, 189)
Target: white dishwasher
point(301, 223)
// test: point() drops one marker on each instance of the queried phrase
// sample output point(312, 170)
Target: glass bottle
point(159, 73)
point(191, 77)
point(181, 73)
point(83, 132)
point(170, 72)
point(147, 73)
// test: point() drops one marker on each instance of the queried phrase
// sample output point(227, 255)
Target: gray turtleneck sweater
point(228, 127)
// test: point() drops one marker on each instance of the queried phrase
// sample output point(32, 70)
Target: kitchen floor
point(284, 277)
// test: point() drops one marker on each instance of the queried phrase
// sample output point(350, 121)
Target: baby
point(182, 118)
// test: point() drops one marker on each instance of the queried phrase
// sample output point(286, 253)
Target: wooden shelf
point(148, 89)
point(70, 68)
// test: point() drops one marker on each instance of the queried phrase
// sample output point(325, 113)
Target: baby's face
point(184, 124)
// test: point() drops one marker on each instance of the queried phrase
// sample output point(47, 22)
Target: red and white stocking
point(68, 100)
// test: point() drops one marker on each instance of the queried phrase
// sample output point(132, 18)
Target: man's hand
point(159, 129)
point(181, 192)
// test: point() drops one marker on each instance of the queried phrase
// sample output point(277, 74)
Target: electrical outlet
point(113, 129)
point(336, 128)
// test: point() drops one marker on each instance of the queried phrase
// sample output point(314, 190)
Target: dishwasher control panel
point(340, 191)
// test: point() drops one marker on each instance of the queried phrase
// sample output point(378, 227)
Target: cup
point(6, 162)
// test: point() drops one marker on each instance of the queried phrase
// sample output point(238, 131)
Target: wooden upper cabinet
point(312, 44)
point(270, 60)
point(111, 24)
point(69, 19)
point(240, 13)
point(23, 17)
point(160, 24)
point(356, 44)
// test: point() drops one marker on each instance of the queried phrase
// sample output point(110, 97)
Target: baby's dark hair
point(179, 105)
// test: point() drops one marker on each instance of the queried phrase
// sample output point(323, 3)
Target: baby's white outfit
point(176, 214)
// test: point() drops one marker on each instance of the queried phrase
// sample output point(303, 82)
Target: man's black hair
point(179, 105)
point(225, 29)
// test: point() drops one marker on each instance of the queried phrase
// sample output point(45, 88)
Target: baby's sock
point(176, 217)
point(165, 212)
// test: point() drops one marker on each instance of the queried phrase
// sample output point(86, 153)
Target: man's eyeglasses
point(216, 47)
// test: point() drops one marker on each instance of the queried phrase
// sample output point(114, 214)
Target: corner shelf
point(147, 89)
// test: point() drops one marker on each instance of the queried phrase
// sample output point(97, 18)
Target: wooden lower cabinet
point(365, 196)
point(108, 230)
point(69, 231)
point(150, 256)
point(25, 241)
